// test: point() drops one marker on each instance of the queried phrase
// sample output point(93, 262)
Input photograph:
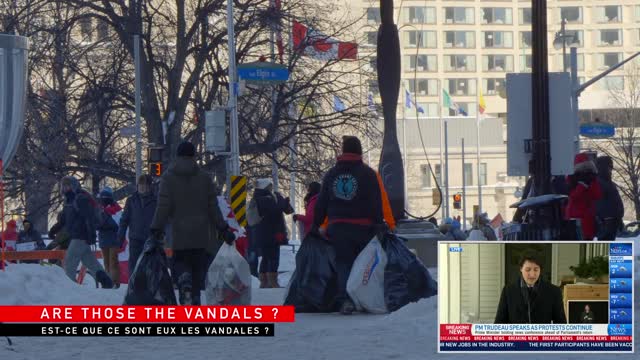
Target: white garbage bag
point(365, 285)
point(476, 235)
point(228, 279)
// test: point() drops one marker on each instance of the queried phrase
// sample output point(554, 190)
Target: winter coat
point(31, 236)
point(108, 231)
point(271, 230)
point(77, 220)
point(188, 200)
point(137, 216)
point(610, 204)
point(582, 202)
point(350, 194)
point(10, 235)
point(540, 305)
point(307, 218)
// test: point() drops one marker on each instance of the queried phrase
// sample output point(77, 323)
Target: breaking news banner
point(79, 320)
point(555, 297)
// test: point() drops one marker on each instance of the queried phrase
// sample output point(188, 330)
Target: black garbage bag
point(313, 286)
point(150, 283)
point(406, 279)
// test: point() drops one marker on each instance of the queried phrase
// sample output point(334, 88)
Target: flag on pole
point(462, 112)
point(319, 46)
point(407, 100)
point(447, 101)
point(371, 104)
point(338, 105)
point(420, 108)
point(482, 105)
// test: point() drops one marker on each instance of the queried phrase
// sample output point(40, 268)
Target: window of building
point(427, 63)
point(526, 63)
point(492, 86)
point(85, 28)
point(611, 37)
point(497, 16)
point(462, 87)
point(607, 60)
point(426, 39)
point(608, 14)
point(459, 63)
point(425, 87)
point(498, 39)
point(611, 83)
point(371, 38)
point(497, 63)
point(373, 16)
point(567, 63)
point(526, 39)
point(468, 174)
point(578, 35)
point(573, 14)
point(460, 39)
point(483, 174)
point(420, 15)
point(425, 176)
point(458, 15)
point(438, 171)
point(431, 109)
point(636, 12)
point(525, 16)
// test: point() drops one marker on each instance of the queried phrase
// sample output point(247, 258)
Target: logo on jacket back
point(345, 187)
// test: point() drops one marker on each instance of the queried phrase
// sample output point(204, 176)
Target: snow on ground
point(409, 333)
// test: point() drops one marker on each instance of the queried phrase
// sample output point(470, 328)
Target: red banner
point(146, 314)
point(455, 330)
point(535, 338)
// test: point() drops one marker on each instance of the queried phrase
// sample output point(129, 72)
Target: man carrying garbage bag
point(188, 200)
point(351, 199)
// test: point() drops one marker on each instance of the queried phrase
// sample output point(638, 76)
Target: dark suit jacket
point(542, 305)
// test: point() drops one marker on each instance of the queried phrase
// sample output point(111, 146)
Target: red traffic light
point(457, 197)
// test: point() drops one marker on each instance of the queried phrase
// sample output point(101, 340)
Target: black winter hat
point(186, 149)
point(352, 145)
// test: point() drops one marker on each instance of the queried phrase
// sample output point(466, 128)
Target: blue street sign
point(597, 130)
point(263, 73)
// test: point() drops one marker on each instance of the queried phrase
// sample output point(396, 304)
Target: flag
point(420, 108)
point(338, 105)
point(482, 105)
point(319, 46)
point(407, 101)
point(371, 104)
point(462, 112)
point(446, 100)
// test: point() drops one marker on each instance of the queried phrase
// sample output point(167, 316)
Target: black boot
point(347, 307)
point(104, 280)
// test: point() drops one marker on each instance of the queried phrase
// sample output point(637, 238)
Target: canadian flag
point(317, 45)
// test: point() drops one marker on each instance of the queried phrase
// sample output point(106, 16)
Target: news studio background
point(478, 282)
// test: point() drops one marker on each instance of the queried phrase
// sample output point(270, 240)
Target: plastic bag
point(150, 283)
point(228, 279)
point(406, 279)
point(476, 234)
point(313, 285)
point(366, 280)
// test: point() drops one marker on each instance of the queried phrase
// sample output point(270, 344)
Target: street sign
point(597, 130)
point(128, 131)
point(263, 73)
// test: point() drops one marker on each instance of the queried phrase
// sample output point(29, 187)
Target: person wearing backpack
point(108, 235)
point(80, 220)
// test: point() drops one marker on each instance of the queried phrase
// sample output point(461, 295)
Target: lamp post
point(562, 39)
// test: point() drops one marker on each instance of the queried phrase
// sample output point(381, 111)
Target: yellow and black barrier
point(239, 198)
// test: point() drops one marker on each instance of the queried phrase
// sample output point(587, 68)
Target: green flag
point(446, 100)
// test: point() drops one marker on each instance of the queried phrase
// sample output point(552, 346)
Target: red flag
point(319, 46)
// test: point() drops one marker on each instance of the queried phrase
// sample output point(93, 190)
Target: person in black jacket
point(351, 200)
point(29, 234)
point(137, 216)
point(530, 300)
point(609, 209)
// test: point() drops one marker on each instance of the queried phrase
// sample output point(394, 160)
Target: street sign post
point(597, 130)
point(263, 73)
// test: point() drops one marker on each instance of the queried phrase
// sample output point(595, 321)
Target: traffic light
point(457, 198)
point(155, 169)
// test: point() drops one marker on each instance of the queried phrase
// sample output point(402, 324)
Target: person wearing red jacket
point(309, 206)
point(10, 236)
point(584, 192)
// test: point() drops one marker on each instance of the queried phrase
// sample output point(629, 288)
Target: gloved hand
point(228, 236)
point(381, 230)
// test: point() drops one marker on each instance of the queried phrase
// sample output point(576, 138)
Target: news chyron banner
point(555, 297)
point(80, 320)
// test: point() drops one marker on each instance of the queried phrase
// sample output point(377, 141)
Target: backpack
point(253, 215)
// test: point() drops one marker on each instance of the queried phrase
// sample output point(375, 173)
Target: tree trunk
point(38, 200)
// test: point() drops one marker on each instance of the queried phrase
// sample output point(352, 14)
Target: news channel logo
point(455, 248)
point(620, 249)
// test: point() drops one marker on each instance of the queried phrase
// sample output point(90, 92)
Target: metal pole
point(464, 193)
point(233, 92)
point(478, 148)
point(441, 140)
point(136, 59)
point(564, 44)
point(574, 95)
point(446, 170)
point(292, 185)
point(274, 99)
point(404, 156)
